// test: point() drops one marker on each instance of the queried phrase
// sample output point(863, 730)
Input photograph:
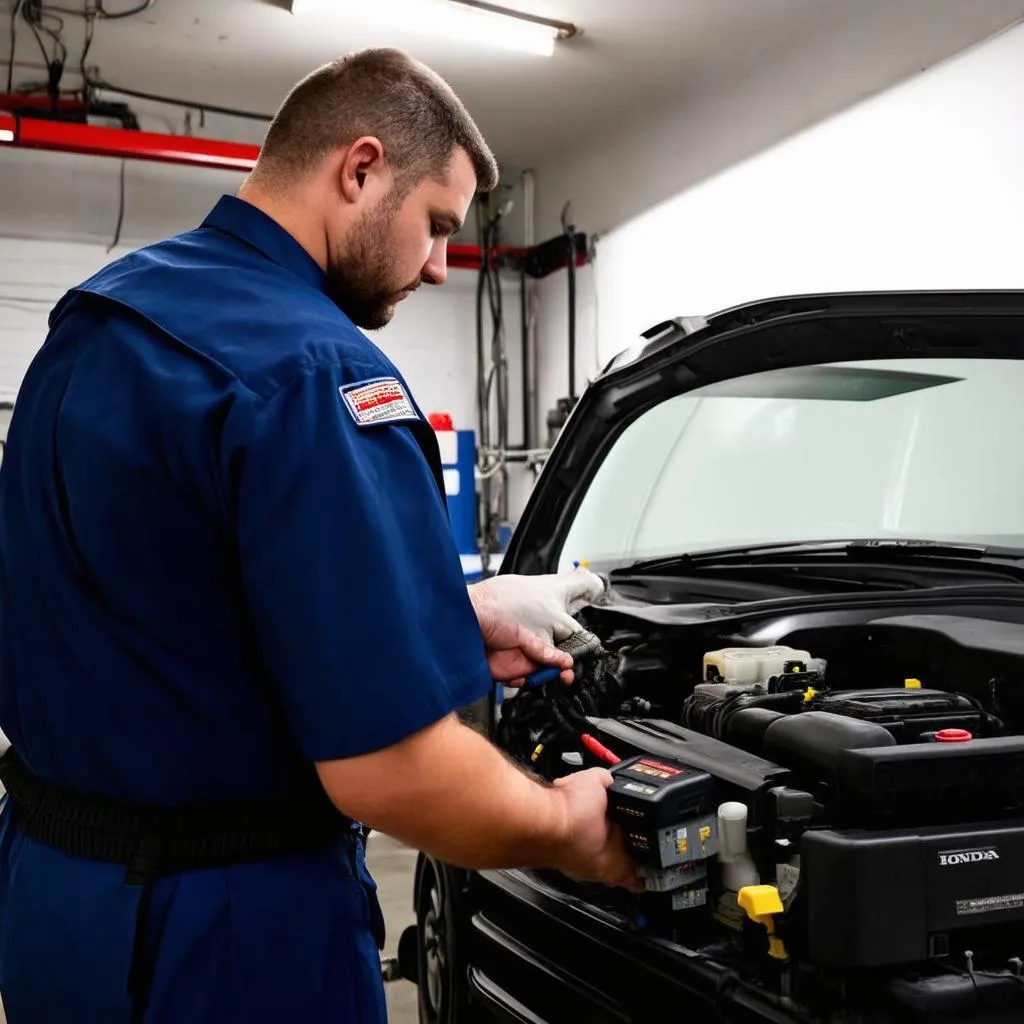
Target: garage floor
point(391, 865)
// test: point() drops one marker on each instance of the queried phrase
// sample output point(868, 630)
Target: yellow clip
point(761, 902)
point(912, 684)
point(809, 694)
point(536, 752)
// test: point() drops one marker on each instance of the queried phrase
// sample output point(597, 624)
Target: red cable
point(598, 749)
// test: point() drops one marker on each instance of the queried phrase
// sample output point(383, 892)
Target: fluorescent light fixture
point(469, 21)
point(6, 135)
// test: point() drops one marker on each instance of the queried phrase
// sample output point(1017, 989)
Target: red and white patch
point(383, 400)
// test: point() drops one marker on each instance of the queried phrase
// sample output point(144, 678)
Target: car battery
point(664, 810)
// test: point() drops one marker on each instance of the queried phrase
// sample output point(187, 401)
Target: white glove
point(544, 605)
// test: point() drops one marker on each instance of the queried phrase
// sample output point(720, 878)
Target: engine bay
point(830, 803)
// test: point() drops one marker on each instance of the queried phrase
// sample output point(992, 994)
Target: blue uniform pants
point(290, 940)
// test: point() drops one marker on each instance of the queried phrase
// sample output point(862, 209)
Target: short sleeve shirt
point(224, 546)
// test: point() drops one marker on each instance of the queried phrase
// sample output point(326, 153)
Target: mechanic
point(233, 624)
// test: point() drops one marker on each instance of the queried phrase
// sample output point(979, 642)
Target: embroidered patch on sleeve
point(383, 400)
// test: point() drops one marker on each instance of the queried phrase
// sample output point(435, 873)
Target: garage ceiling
point(632, 55)
point(654, 96)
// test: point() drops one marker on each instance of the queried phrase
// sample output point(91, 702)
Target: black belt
point(152, 841)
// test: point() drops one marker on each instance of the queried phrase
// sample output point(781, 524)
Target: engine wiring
point(539, 724)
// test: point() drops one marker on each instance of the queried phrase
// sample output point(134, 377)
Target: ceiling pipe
point(96, 140)
point(563, 29)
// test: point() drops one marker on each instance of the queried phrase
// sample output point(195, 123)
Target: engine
point(825, 820)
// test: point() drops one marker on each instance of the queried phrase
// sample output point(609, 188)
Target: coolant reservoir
point(748, 666)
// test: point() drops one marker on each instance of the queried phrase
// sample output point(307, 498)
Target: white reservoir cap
point(738, 868)
point(732, 831)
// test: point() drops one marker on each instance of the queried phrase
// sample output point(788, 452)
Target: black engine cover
point(874, 899)
point(909, 714)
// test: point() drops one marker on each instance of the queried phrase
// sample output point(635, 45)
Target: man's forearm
point(451, 793)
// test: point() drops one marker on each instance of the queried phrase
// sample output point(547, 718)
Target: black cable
point(98, 83)
point(56, 34)
point(525, 359)
point(120, 213)
point(14, 40)
point(498, 359)
point(483, 409)
point(481, 394)
point(33, 13)
point(90, 28)
point(104, 13)
point(39, 40)
point(569, 231)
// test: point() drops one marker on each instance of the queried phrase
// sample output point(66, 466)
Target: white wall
point(902, 190)
point(851, 51)
point(917, 188)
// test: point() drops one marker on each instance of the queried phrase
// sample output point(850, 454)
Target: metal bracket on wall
point(536, 261)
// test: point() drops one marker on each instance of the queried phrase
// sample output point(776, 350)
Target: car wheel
point(441, 973)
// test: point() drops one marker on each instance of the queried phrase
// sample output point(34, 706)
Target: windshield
point(918, 449)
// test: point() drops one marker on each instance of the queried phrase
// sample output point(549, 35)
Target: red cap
point(598, 749)
point(953, 736)
point(440, 420)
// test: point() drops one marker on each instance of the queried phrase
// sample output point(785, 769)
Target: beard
point(362, 280)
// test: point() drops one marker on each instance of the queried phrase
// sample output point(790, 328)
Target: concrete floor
point(391, 865)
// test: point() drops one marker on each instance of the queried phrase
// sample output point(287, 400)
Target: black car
point(808, 674)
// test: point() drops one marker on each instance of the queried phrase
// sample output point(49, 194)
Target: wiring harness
point(540, 724)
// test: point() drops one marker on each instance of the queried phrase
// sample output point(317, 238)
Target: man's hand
point(594, 850)
point(521, 617)
point(452, 794)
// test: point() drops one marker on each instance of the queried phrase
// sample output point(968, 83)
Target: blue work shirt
point(224, 554)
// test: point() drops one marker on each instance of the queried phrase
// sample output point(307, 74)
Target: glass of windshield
point(922, 449)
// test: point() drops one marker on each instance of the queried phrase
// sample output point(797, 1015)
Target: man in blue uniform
point(232, 620)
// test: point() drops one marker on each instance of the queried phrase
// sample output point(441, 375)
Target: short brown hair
point(384, 93)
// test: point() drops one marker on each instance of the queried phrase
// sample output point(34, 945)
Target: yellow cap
point(760, 902)
point(809, 694)
point(912, 684)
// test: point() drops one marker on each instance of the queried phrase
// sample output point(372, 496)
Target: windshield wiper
point(884, 550)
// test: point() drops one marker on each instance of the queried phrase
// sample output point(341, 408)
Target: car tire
point(441, 971)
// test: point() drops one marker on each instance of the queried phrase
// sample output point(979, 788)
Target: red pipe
point(95, 140)
point(470, 257)
point(18, 101)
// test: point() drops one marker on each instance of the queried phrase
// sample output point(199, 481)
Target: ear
point(362, 160)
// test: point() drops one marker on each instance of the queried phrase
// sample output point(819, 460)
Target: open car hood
point(688, 353)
